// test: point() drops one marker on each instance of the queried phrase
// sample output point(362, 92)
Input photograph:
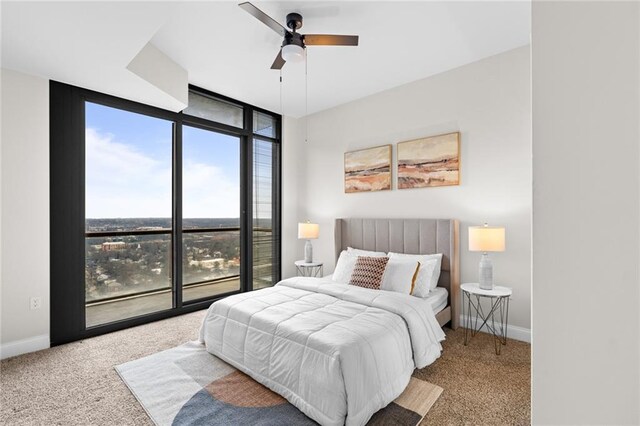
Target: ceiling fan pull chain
point(306, 98)
point(281, 106)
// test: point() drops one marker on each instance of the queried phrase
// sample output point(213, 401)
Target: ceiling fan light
point(293, 53)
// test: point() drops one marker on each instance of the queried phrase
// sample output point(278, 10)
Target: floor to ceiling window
point(128, 160)
point(210, 213)
point(266, 158)
point(155, 213)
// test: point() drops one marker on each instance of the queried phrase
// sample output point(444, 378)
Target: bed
point(414, 236)
point(339, 352)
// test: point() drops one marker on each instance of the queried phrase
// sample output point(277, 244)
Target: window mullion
point(246, 189)
point(276, 211)
point(177, 215)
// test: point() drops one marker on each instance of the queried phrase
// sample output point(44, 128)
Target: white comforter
point(337, 352)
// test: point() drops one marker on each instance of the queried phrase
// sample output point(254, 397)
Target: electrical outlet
point(36, 303)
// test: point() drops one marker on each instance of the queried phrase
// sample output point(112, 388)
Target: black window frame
point(67, 205)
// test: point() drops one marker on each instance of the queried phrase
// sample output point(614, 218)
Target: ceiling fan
point(294, 43)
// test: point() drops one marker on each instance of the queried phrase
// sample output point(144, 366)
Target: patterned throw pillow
point(369, 271)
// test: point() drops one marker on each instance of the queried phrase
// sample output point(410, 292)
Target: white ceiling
point(226, 50)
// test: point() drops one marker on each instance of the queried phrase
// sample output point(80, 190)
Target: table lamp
point(485, 239)
point(308, 231)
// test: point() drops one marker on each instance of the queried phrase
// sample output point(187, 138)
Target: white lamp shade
point(293, 53)
point(486, 238)
point(308, 231)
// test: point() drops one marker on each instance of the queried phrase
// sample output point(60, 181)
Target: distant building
point(113, 245)
point(209, 263)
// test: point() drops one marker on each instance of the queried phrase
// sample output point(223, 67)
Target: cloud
point(123, 181)
point(208, 192)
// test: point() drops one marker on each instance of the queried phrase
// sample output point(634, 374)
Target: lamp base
point(486, 272)
point(308, 252)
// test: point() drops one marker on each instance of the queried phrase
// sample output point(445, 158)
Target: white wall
point(489, 103)
point(292, 183)
point(25, 212)
point(586, 273)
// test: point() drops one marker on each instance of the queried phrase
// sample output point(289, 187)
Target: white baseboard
point(24, 346)
point(513, 331)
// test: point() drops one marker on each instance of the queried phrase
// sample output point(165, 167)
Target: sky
point(128, 168)
point(369, 158)
point(431, 148)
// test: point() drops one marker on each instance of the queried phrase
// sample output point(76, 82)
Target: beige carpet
point(480, 387)
point(76, 384)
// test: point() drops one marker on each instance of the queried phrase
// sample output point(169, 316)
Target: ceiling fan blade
point(330, 40)
point(279, 62)
point(264, 18)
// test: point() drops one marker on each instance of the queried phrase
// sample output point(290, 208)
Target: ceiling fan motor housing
point(294, 38)
point(294, 21)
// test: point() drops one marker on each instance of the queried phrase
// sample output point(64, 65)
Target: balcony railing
point(152, 270)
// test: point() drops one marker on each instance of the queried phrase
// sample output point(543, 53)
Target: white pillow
point(344, 267)
point(358, 252)
point(429, 271)
point(399, 275)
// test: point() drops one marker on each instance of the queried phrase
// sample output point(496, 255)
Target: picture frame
point(368, 169)
point(429, 162)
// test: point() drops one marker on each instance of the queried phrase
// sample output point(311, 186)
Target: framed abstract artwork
point(367, 169)
point(432, 161)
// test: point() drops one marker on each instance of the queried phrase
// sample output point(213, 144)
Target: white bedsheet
point(337, 352)
point(437, 298)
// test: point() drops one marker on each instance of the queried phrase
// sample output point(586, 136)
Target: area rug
point(188, 386)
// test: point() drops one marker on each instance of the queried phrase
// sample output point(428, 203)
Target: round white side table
point(495, 320)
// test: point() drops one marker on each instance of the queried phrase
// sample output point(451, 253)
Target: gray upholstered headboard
point(413, 236)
